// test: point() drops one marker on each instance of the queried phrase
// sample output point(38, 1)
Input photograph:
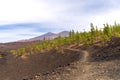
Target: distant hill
point(50, 36)
point(64, 33)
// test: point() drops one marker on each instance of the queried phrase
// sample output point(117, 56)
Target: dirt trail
point(85, 54)
point(86, 67)
point(86, 70)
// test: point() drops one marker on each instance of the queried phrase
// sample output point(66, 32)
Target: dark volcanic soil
point(76, 63)
point(17, 68)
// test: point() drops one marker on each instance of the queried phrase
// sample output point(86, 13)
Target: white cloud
point(109, 17)
point(61, 12)
point(67, 14)
point(12, 11)
point(18, 34)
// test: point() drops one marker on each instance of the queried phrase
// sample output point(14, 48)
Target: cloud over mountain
point(35, 17)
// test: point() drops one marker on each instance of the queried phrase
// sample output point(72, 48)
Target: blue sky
point(24, 19)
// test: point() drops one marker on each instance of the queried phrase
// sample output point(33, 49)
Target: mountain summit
point(50, 36)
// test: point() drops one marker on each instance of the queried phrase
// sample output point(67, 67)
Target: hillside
point(50, 36)
point(92, 55)
point(76, 63)
point(94, 63)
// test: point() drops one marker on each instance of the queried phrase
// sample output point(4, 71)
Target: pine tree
point(97, 32)
point(73, 36)
point(70, 34)
point(77, 38)
point(92, 33)
point(107, 32)
point(60, 41)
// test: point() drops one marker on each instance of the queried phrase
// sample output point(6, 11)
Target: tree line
point(75, 37)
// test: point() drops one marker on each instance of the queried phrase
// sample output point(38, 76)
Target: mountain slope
point(64, 33)
point(50, 36)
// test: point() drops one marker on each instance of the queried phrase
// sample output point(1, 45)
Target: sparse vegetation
point(0, 56)
point(86, 38)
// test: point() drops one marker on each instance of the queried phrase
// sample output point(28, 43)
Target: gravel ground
point(85, 70)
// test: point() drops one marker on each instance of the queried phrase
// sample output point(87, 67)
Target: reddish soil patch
point(15, 45)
